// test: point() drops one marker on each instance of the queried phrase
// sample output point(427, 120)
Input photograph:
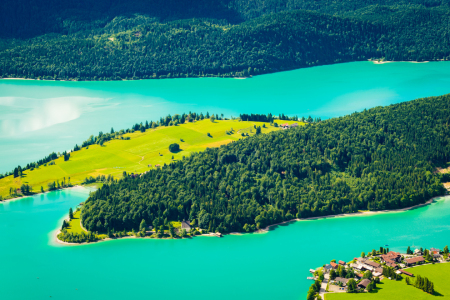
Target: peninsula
point(380, 159)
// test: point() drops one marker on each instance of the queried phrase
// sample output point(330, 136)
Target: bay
point(38, 117)
point(273, 265)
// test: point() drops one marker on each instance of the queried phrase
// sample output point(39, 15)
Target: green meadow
point(143, 151)
point(388, 289)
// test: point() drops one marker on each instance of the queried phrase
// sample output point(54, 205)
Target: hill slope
point(138, 46)
point(133, 155)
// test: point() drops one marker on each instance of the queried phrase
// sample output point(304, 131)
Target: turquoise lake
point(38, 117)
point(273, 265)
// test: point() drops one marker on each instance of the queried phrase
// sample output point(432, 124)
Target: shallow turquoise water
point(253, 266)
point(38, 117)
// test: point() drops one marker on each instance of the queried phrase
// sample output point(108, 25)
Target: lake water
point(271, 266)
point(38, 117)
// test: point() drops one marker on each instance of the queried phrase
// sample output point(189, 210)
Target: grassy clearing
point(75, 223)
point(134, 155)
point(388, 289)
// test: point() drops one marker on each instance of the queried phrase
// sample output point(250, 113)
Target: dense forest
point(382, 158)
point(112, 40)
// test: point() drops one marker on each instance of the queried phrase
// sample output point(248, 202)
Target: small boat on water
point(310, 278)
point(312, 271)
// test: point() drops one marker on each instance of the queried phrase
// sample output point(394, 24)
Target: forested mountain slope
point(382, 158)
point(138, 47)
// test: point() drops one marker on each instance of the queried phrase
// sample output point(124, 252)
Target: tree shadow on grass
point(175, 152)
point(436, 293)
point(375, 290)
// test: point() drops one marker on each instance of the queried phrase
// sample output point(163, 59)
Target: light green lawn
point(75, 224)
point(439, 274)
point(134, 155)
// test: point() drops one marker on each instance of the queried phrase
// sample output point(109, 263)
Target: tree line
point(382, 158)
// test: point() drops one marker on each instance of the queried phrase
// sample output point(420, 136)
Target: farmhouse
point(186, 225)
point(334, 265)
point(391, 256)
point(342, 263)
point(364, 263)
point(327, 267)
point(414, 260)
point(364, 283)
point(344, 281)
point(378, 272)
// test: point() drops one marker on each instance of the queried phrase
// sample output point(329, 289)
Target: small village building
point(373, 264)
point(364, 283)
point(294, 125)
point(377, 272)
point(342, 263)
point(414, 260)
point(417, 252)
point(344, 281)
point(334, 265)
point(392, 264)
point(406, 273)
point(327, 268)
point(391, 256)
point(436, 256)
point(186, 225)
point(435, 250)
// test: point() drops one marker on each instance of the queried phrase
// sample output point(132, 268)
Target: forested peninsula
point(113, 40)
point(381, 158)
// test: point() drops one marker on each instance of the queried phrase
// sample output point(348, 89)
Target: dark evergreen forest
point(143, 39)
point(381, 158)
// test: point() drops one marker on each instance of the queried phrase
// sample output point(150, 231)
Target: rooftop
point(414, 260)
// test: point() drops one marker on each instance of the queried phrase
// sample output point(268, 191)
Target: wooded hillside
point(167, 39)
point(382, 158)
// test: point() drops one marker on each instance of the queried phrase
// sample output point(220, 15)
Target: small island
point(378, 270)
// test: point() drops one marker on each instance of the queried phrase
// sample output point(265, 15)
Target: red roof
point(414, 260)
point(406, 273)
point(342, 262)
point(334, 265)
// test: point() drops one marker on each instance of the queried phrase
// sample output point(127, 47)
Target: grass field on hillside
point(388, 289)
point(135, 155)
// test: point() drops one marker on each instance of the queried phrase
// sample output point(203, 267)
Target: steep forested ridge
point(382, 158)
point(142, 40)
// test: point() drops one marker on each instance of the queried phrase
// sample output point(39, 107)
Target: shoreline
point(380, 62)
point(375, 61)
point(357, 214)
point(266, 229)
point(41, 193)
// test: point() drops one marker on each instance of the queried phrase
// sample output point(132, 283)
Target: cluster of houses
point(287, 126)
point(391, 259)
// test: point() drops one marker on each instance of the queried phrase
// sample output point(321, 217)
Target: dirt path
point(323, 286)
